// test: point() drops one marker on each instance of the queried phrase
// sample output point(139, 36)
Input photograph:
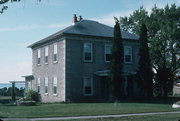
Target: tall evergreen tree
point(117, 62)
point(13, 95)
point(145, 69)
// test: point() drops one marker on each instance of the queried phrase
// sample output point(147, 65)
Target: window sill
point(55, 62)
point(38, 64)
point(46, 94)
point(46, 63)
point(55, 95)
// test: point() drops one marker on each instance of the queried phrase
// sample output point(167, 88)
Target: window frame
point(131, 51)
point(55, 52)
point(38, 85)
point(84, 53)
point(46, 84)
point(46, 54)
point(54, 85)
point(39, 57)
point(105, 52)
point(84, 86)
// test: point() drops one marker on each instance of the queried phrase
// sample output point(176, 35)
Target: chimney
point(80, 18)
point(74, 19)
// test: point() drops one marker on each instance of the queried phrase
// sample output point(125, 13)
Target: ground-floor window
point(46, 85)
point(38, 85)
point(88, 86)
point(55, 85)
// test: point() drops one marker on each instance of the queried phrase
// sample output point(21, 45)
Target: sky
point(28, 21)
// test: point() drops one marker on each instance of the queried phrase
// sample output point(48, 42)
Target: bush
point(33, 96)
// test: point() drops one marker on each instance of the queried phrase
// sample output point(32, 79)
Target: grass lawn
point(78, 109)
point(162, 117)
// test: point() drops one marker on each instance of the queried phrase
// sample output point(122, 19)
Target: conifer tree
point(116, 62)
point(145, 69)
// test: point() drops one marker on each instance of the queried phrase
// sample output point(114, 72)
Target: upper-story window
point(55, 85)
point(87, 52)
point(38, 85)
point(55, 53)
point(128, 54)
point(46, 85)
point(46, 55)
point(88, 86)
point(108, 52)
point(39, 57)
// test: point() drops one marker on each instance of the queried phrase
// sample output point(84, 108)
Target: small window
point(46, 85)
point(55, 53)
point(46, 55)
point(39, 57)
point(88, 52)
point(128, 54)
point(38, 85)
point(88, 90)
point(55, 85)
point(108, 52)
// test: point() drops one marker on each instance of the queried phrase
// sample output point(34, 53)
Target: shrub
point(33, 96)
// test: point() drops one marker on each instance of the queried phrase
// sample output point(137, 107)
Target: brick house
point(73, 64)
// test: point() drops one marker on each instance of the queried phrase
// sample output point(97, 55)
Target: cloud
point(34, 27)
point(14, 72)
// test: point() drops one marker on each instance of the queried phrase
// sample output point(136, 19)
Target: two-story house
point(73, 64)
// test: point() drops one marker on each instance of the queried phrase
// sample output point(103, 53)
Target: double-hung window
point(46, 85)
point(108, 52)
point(55, 53)
point(38, 85)
point(128, 54)
point(46, 55)
point(39, 57)
point(88, 86)
point(87, 49)
point(55, 85)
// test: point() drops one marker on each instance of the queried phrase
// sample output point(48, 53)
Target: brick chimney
point(74, 20)
point(80, 18)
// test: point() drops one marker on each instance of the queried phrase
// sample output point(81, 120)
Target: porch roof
point(28, 77)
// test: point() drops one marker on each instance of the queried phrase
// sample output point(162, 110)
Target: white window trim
point(91, 53)
point(39, 56)
point(91, 87)
point(45, 85)
point(55, 51)
point(55, 94)
point(105, 52)
point(130, 55)
point(46, 53)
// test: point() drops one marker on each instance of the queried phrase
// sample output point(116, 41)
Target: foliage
point(116, 61)
point(7, 91)
point(145, 70)
point(33, 95)
point(163, 26)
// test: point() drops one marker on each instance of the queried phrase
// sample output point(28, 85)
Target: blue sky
point(29, 21)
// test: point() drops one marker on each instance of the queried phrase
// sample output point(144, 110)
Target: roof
point(87, 27)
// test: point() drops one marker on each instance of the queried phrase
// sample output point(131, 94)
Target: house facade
point(73, 64)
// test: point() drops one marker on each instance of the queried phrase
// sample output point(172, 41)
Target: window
point(55, 53)
point(39, 57)
point(46, 55)
point(55, 85)
point(46, 85)
point(88, 91)
point(87, 52)
point(38, 85)
point(128, 54)
point(108, 52)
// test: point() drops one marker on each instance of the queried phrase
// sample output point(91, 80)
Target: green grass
point(79, 109)
point(162, 117)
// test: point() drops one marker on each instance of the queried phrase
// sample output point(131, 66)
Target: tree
point(116, 61)
point(4, 6)
point(163, 30)
point(13, 92)
point(145, 70)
